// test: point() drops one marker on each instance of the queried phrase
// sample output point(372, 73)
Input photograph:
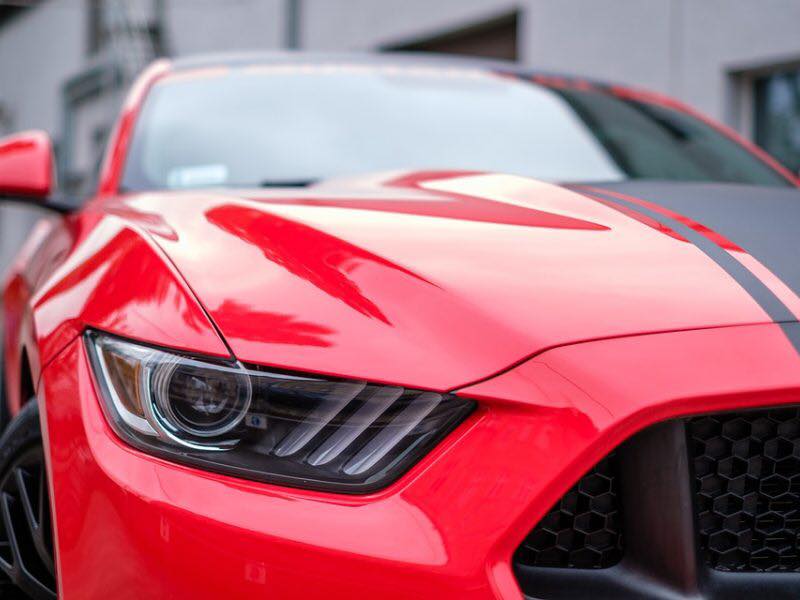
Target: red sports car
point(403, 327)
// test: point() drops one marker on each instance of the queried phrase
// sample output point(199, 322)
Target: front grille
point(711, 509)
point(582, 530)
point(747, 486)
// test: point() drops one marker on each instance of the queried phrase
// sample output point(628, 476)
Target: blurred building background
point(65, 64)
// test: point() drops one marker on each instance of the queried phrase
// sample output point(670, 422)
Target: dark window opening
point(114, 22)
point(496, 38)
point(777, 116)
point(10, 10)
point(97, 30)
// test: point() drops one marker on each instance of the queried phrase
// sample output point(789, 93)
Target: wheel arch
point(27, 387)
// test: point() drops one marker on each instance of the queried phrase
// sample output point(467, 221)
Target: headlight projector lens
point(198, 401)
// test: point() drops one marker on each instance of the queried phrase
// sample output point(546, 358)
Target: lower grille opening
point(702, 507)
point(747, 489)
point(582, 531)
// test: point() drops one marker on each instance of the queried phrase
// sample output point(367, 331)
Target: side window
point(777, 116)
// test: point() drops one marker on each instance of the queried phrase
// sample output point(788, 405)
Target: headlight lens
point(305, 431)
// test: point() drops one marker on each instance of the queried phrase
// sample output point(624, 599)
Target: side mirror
point(26, 166)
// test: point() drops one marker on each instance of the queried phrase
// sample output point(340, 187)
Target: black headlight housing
point(303, 431)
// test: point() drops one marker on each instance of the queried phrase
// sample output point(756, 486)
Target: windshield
point(290, 125)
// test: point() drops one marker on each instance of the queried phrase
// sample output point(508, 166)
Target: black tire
point(26, 541)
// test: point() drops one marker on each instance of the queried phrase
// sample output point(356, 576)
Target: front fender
point(97, 270)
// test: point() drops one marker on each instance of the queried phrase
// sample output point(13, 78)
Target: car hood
point(440, 279)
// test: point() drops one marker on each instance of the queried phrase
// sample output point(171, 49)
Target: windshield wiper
point(277, 183)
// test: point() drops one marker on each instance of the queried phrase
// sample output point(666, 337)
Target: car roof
point(400, 59)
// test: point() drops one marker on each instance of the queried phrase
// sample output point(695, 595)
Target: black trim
point(202, 459)
point(745, 476)
point(662, 557)
point(762, 220)
point(584, 529)
point(751, 284)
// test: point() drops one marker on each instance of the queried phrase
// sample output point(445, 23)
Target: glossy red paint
point(572, 324)
point(773, 282)
point(26, 165)
point(96, 270)
point(367, 281)
point(542, 424)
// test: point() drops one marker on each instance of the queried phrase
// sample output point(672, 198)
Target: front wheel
point(27, 566)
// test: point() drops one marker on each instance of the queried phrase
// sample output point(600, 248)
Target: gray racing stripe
point(751, 284)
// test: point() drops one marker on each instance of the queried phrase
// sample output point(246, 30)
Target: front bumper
point(132, 526)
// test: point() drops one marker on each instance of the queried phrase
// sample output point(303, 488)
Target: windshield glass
point(293, 125)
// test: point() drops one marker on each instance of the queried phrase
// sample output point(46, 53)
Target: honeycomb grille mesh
point(747, 489)
point(582, 530)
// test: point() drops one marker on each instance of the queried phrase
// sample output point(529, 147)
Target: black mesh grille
point(747, 489)
point(582, 531)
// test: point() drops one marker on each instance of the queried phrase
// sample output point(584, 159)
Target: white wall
point(39, 49)
point(684, 48)
point(201, 26)
point(626, 41)
point(366, 24)
point(727, 35)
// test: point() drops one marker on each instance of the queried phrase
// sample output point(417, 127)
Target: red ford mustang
point(394, 327)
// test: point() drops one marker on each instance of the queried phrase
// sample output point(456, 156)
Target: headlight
point(305, 431)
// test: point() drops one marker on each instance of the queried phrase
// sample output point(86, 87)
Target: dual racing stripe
point(724, 219)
